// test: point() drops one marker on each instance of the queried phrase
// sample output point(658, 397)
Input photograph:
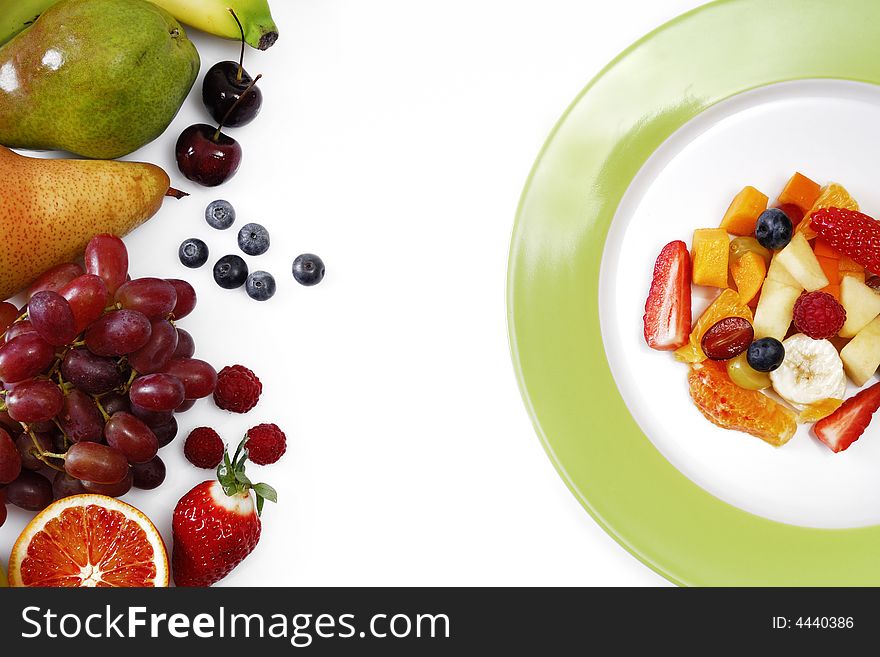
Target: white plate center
point(828, 130)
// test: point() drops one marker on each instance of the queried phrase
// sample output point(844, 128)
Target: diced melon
point(861, 357)
point(861, 303)
point(778, 272)
point(800, 261)
point(775, 309)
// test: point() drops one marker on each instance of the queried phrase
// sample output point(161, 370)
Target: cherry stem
point(241, 58)
point(234, 105)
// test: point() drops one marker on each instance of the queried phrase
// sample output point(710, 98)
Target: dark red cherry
point(207, 156)
point(225, 83)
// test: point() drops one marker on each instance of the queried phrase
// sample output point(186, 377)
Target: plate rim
point(814, 17)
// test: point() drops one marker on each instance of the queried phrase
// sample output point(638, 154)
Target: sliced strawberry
point(852, 233)
point(668, 308)
point(845, 425)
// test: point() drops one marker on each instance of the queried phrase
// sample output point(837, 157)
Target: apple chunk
point(862, 305)
point(775, 309)
point(861, 357)
point(777, 272)
point(800, 261)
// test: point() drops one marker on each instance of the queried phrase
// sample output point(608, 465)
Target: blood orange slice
point(89, 541)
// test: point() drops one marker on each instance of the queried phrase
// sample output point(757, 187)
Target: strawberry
point(216, 525)
point(845, 425)
point(852, 233)
point(668, 308)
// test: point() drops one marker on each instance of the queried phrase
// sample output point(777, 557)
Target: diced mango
point(743, 212)
point(749, 273)
point(823, 248)
point(709, 253)
point(799, 191)
point(830, 267)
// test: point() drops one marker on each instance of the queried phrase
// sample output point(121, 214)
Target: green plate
point(612, 128)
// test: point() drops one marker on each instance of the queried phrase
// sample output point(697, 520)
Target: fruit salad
point(795, 320)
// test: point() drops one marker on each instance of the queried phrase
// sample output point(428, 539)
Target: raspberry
point(818, 315)
point(204, 448)
point(238, 389)
point(852, 233)
point(265, 444)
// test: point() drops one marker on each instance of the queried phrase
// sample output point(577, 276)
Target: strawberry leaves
point(231, 473)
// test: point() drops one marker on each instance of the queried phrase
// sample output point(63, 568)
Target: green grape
point(742, 245)
point(742, 374)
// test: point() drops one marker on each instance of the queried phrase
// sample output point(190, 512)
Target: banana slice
point(811, 371)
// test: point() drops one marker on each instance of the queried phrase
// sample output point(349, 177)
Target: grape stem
point(131, 377)
point(42, 455)
point(63, 432)
point(100, 407)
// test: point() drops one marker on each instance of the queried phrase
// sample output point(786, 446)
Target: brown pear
point(50, 209)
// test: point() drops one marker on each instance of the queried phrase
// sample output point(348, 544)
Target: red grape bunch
point(93, 370)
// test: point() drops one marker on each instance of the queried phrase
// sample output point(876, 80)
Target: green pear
point(99, 78)
point(50, 209)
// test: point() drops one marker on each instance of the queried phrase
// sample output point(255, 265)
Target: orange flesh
point(89, 546)
point(728, 406)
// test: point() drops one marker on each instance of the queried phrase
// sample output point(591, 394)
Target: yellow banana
point(210, 16)
point(213, 16)
point(16, 15)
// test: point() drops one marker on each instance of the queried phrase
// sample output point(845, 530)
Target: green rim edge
point(625, 113)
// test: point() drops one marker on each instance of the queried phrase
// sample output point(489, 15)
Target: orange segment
point(89, 541)
point(728, 304)
point(743, 212)
point(728, 406)
point(749, 273)
point(832, 196)
point(821, 409)
point(709, 252)
point(799, 191)
point(848, 264)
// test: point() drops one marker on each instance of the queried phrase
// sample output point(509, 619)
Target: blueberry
point(766, 354)
point(253, 239)
point(193, 253)
point(260, 286)
point(308, 269)
point(230, 272)
point(220, 214)
point(773, 229)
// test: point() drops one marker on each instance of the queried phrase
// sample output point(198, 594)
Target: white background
point(395, 140)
